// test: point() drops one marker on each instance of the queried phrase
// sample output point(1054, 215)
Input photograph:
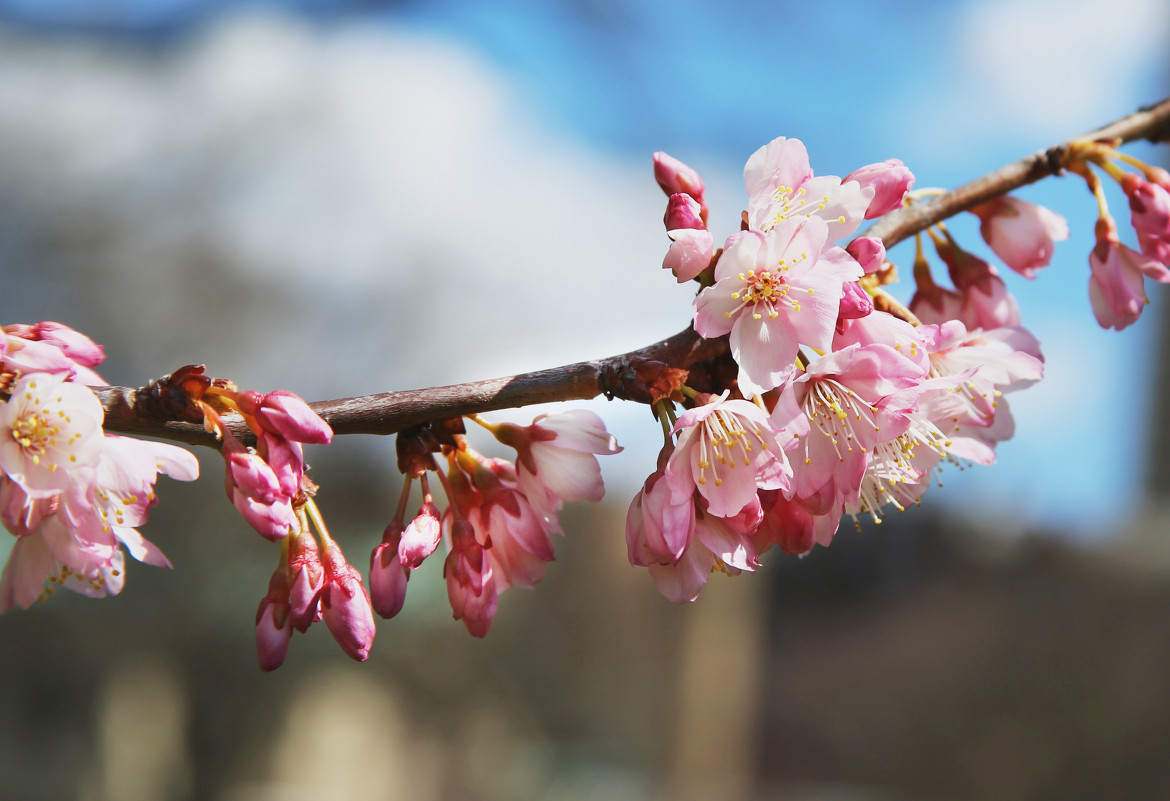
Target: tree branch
point(391, 412)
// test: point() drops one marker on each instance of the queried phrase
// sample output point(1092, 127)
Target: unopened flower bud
point(890, 181)
point(273, 623)
point(674, 177)
point(869, 252)
point(345, 605)
point(388, 577)
point(683, 211)
point(855, 302)
point(421, 537)
point(287, 414)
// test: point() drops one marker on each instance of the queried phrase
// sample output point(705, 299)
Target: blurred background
point(341, 197)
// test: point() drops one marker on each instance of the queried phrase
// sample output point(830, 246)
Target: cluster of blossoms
point(830, 399)
point(837, 400)
point(500, 514)
point(71, 494)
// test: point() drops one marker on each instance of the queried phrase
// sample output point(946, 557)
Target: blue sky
point(954, 89)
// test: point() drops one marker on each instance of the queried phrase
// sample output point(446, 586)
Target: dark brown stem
point(391, 412)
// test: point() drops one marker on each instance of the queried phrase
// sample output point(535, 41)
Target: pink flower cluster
point(838, 407)
point(72, 495)
point(501, 514)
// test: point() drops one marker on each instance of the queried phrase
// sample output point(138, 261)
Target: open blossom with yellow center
point(773, 293)
point(728, 451)
point(50, 429)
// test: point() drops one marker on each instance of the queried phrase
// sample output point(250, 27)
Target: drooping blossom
point(51, 347)
point(869, 252)
point(658, 530)
point(727, 451)
point(421, 537)
point(470, 587)
point(985, 300)
point(1117, 276)
point(306, 578)
point(890, 180)
point(255, 490)
point(716, 545)
point(556, 459)
point(1149, 205)
point(1023, 234)
point(773, 293)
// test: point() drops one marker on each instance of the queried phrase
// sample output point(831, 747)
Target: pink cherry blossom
point(890, 180)
point(727, 451)
point(986, 302)
point(773, 293)
point(838, 413)
point(50, 432)
point(1021, 233)
point(658, 530)
point(1117, 278)
point(556, 460)
point(716, 545)
point(781, 186)
point(471, 589)
point(1149, 205)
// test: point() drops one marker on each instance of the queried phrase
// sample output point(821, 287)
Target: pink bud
point(855, 302)
point(345, 605)
point(387, 575)
point(869, 252)
point(286, 414)
point(308, 577)
point(890, 180)
point(273, 624)
point(421, 537)
point(674, 177)
point(683, 211)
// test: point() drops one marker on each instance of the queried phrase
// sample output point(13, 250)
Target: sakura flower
point(470, 587)
point(1021, 233)
point(890, 180)
point(50, 431)
point(1149, 205)
point(838, 414)
point(675, 177)
point(50, 347)
point(727, 450)
point(1117, 278)
point(255, 490)
point(683, 211)
point(658, 530)
point(716, 545)
point(556, 459)
point(781, 186)
point(986, 303)
point(773, 293)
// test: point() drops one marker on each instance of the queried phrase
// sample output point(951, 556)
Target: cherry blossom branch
point(136, 411)
point(1151, 123)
